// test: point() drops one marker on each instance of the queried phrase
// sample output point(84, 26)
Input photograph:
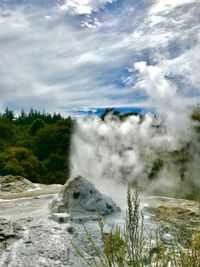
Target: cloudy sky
point(69, 55)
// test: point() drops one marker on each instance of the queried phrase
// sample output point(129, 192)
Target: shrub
point(130, 247)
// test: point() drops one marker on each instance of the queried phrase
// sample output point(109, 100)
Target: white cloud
point(186, 65)
point(168, 5)
point(84, 7)
point(79, 57)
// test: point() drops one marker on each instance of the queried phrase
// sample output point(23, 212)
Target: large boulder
point(15, 184)
point(79, 196)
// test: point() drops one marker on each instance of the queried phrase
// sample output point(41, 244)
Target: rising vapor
point(112, 151)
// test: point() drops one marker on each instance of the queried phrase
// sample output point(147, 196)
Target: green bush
point(131, 247)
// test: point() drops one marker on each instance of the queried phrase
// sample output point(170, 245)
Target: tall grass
point(131, 247)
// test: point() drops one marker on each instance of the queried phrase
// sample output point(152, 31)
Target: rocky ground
point(15, 184)
point(32, 236)
point(29, 237)
point(36, 240)
point(179, 217)
point(13, 187)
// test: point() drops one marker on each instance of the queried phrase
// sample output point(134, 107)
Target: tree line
point(35, 145)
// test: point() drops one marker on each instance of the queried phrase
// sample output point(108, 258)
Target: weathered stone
point(9, 232)
point(79, 196)
point(61, 217)
point(15, 184)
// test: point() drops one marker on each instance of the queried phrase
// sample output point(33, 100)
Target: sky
point(71, 56)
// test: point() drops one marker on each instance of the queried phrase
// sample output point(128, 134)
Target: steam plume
point(120, 151)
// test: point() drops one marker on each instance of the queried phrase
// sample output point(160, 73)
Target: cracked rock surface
point(79, 196)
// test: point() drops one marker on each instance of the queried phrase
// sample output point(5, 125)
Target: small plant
point(131, 247)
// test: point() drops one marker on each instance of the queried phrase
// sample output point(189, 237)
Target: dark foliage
point(35, 145)
point(117, 114)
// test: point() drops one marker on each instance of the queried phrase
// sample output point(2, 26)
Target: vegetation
point(122, 117)
point(35, 145)
point(132, 247)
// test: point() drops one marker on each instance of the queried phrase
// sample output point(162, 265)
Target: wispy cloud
point(65, 55)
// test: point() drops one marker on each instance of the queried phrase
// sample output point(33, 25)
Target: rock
point(14, 184)
point(79, 196)
point(60, 217)
point(167, 238)
point(107, 229)
point(70, 229)
point(9, 232)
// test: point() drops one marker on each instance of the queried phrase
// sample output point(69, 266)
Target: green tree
point(58, 168)
point(20, 161)
point(8, 114)
point(6, 130)
point(36, 126)
point(53, 139)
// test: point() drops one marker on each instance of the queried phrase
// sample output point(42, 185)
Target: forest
point(35, 145)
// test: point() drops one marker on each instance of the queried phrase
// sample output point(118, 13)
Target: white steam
point(112, 152)
point(164, 97)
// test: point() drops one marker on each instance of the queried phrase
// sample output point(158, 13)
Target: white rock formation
point(79, 196)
